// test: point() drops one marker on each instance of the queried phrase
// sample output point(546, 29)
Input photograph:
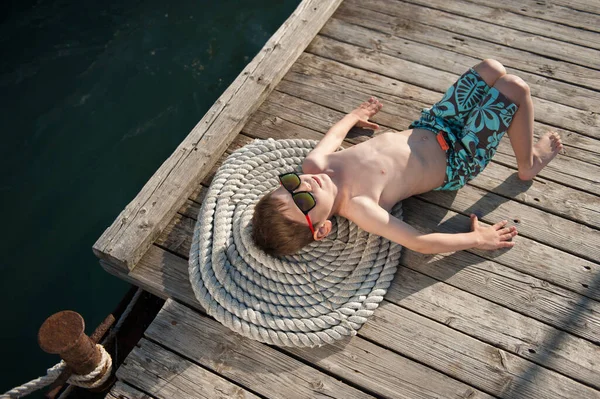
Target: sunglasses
point(304, 200)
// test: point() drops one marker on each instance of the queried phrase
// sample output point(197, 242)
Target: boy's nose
point(304, 185)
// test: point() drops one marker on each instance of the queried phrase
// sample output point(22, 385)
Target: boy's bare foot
point(544, 151)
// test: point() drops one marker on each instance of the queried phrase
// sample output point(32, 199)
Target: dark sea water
point(95, 95)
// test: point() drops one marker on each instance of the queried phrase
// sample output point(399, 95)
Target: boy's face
point(321, 187)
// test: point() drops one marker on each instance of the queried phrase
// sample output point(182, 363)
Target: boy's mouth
point(318, 181)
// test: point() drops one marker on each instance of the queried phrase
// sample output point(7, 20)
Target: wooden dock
point(523, 323)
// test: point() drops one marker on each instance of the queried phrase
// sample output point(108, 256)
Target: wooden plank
point(511, 284)
point(548, 112)
point(384, 372)
point(164, 374)
point(123, 391)
point(497, 325)
point(552, 305)
point(538, 225)
point(258, 367)
point(578, 146)
point(580, 5)
point(535, 44)
point(375, 367)
point(549, 12)
point(400, 113)
point(403, 27)
point(362, 30)
point(508, 19)
point(531, 257)
point(209, 343)
point(546, 304)
point(547, 196)
point(565, 169)
point(486, 280)
point(134, 230)
point(486, 367)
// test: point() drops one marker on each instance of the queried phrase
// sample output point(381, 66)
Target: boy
point(449, 145)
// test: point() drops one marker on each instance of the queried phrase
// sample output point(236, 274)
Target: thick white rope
point(323, 294)
point(84, 381)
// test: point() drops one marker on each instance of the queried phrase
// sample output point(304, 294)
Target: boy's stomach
point(419, 163)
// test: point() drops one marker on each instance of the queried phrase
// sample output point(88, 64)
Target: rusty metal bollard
point(63, 334)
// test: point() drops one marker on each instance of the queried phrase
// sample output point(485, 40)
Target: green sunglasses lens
point(290, 181)
point(304, 201)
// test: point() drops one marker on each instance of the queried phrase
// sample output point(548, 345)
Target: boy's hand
point(367, 110)
point(493, 237)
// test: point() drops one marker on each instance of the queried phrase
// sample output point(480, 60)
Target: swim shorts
point(470, 120)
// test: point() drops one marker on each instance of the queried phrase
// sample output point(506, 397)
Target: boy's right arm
point(370, 217)
point(315, 162)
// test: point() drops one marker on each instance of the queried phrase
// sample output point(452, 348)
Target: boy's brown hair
point(273, 232)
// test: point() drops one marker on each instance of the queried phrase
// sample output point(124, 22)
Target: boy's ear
point(323, 230)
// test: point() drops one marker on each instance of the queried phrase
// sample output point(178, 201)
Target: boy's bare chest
point(386, 169)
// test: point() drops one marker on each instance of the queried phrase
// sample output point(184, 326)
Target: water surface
point(95, 96)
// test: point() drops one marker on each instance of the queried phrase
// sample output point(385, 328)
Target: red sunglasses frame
point(310, 224)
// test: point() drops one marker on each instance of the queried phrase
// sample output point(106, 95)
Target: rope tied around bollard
point(85, 363)
point(95, 379)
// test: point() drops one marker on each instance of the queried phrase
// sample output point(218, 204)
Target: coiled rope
point(84, 381)
point(322, 294)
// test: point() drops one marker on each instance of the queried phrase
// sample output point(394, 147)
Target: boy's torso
point(390, 167)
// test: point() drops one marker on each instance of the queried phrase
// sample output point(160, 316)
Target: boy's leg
point(464, 95)
point(490, 71)
point(530, 158)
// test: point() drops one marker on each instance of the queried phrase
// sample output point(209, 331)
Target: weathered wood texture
point(511, 18)
point(549, 11)
point(264, 370)
point(164, 374)
point(134, 230)
point(498, 34)
point(578, 358)
point(519, 323)
point(365, 28)
point(123, 391)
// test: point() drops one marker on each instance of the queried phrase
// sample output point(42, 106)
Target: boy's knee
point(490, 71)
point(513, 87)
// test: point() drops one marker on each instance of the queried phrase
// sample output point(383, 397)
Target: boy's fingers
point(506, 244)
point(473, 221)
point(501, 224)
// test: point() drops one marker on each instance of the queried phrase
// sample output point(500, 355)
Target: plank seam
point(510, 166)
point(201, 365)
point(479, 38)
point(476, 38)
point(333, 73)
point(441, 371)
point(126, 382)
point(504, 26)
point(433, 67)
point(532, 360)
point(588, 258)
point(556, 21)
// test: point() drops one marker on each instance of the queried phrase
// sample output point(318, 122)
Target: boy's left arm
point(316, 160)
point(369, 216)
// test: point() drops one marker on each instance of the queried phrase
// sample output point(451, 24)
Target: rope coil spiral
point(324, 293)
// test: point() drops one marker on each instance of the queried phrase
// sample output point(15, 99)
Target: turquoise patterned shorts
point(472, 118)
